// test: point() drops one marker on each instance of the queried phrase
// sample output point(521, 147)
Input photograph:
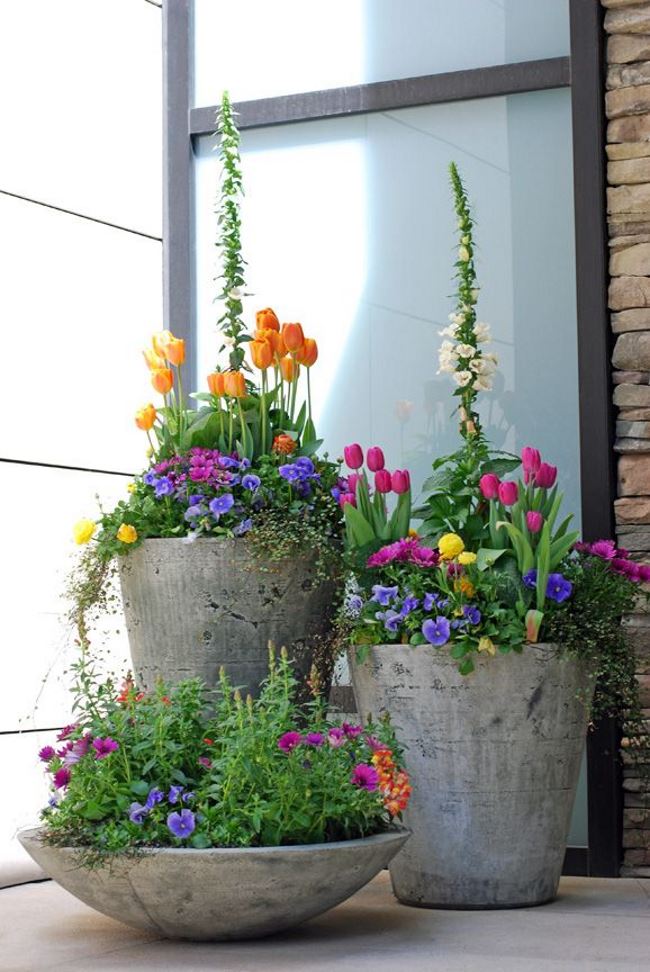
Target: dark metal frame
point(583, 72)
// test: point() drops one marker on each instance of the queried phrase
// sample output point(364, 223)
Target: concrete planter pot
point(192, 607)
point(494, 759)
point(220, 894)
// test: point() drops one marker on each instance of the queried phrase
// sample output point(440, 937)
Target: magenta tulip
point(375, 459)
point(383, 481)
point(508, 493)
point(401, 481)
point(346, 498)
point(353, 479)
point(353, 456)
point(531, 461)
point(534, 521)
point(489, 485)
point(546, 475)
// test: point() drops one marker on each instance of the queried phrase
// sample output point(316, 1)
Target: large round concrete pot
point(494, 759)
point(219, 894)
point(192, 607)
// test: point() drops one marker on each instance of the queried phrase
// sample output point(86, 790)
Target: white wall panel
point(78, 301)
point(80, 102)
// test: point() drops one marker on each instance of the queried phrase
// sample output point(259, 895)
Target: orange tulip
point(289, 368)
point(235, 384)
point(284, 444)
point(279, 347)
point(175, 351)
point(216, 382)
point(161, 340)
point(145, 417)
point(153, 360)
point(265, 334)
point(293, 336)
point(308, 353)
point(267, 318)
point(162, 380)
point(261, 354)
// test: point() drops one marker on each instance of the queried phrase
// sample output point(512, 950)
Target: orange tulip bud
point(289, 368)
point(160, 342)
point(235, 384)
point(293, 336)
point(153, 360)
point(279, 347)
point(284, 444)
point(145, 417)
point(261, 354)
point(162, 380)
point(267, 318)
point(216, 383)
point(308, 353)
point(175, 351)
point(265, 334)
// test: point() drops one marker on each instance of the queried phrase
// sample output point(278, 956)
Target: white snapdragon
point(463, 254)
point(463, 378)
point(483, 383)
point(482, 333)
point(449, 332)
point(465, 350)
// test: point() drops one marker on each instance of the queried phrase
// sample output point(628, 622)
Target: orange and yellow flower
point(267, 318)
point(289, 368)
point(308, 353)
point(145, 417)
point(261, 354)
point(162, 380)
point(127, 533)
point(234, 384)
point(216, 383)
point(284, 445)
point(293, 337)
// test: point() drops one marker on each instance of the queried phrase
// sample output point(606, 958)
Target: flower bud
point(508, 493)
point(353, 456)
point(234, 384)
point(216, 383)
point(530, 460)
point(489, 485)
point(401, 481)
point(289, 368)
point(534, 521)
point(375, 459)
point(546, 475)
point(353, 479)
point(261, 354)
point(308, 353)
point(383, 481)
point(175, 351)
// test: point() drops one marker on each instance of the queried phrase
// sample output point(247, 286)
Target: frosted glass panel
point(41, 506)
point(81, 107)
point(257, 49)
point(348, 227)
point(78, 301)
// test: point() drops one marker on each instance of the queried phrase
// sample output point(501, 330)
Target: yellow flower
point(130, 487)
point(463, 254)
point(465, 586)
point(450, 545)
point(83, 531)
point(466, 557)
point(486, 644)
point(127, 533)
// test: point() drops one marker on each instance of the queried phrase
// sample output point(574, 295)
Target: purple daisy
point(336, 737)
point(314, 739)
point(289, 741)
point(364, 776)
point(46, 753)
point(61, 778)
point(104, 747)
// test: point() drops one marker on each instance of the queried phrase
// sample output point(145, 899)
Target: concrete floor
point(593, 925)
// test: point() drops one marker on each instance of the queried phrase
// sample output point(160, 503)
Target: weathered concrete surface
point(494, 759)
point(220, 894)
point(192, 607)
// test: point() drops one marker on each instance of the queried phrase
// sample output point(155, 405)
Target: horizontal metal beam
point(431, 89)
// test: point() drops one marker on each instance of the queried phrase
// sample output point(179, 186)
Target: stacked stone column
point(627, 100)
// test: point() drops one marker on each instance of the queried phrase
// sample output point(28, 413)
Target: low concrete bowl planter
point(219, 894)
point(192, 607)
point(494, 759)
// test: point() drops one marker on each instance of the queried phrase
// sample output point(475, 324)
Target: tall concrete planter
point(192, 607)
point(494, 759)
point(219, 893)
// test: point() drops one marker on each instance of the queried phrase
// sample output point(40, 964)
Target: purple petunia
point(181, 823)
point(104, 747)
point(383, 595)
point(46, 753)
point(558, 588)
point(436, 632)
point(364, 776)
point(221, 504)
point(289, 741)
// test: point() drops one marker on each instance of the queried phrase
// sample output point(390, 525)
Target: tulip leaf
point(543, 564)
point(309, 432)
point(360, 530)
point(309, 448)
point(560, 548)
point(486, 557)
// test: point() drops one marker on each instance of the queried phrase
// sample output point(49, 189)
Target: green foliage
point(241, 787)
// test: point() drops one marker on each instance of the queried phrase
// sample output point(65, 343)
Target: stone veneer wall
point(627, 23)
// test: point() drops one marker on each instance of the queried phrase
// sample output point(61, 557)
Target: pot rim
point(386, 836)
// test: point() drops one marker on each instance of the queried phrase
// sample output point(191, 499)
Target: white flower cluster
point(469, 365)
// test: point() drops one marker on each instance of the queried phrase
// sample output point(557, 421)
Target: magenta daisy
point(104, 747)
point(289, 741)
point(364, 776)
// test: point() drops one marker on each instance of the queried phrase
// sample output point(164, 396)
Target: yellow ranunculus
point(130, 487)
point(486, 644)
point(127, 533)
point(466, 557)
point(450, 545)
point(83, 531)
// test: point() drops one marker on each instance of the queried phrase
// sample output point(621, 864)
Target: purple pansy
point(251, 481)
point(436, 632)
point(164, 486)
point(222, 504)
point(290, 472)
point(181, 823)
point(242, 527)
point(472, 614)
point(530, 579)
point(391, 619)
point(383, 595)
point(175, 794)
point(410, 603)
point(149, 478)
point(137, 813)
point(155, 796)
point(558, 588)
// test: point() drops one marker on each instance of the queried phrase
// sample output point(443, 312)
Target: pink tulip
point(375, 459)
point(489, 485)
point(508, 493)
point(353, 479)
point(353, 456)
point(546, 475)
point(346, 498)
point(401, 481)
point(531, 461)
point(383, 481)
point(534, 521)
